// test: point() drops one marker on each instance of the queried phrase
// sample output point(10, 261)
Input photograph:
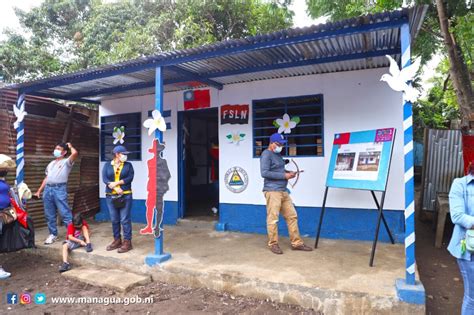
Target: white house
point(325, 77)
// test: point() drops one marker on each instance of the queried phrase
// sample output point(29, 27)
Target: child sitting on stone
point(77, 236)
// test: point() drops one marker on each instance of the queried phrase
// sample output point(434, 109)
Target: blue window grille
point(133, 135)
point(306, 139)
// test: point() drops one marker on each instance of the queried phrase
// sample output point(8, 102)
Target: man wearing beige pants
point(272, 169)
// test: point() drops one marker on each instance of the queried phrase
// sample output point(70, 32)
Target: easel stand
point(380, 218)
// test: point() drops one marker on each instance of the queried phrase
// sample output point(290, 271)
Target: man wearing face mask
point(55, 189)
point(272, 169)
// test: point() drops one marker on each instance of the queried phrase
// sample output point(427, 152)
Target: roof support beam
point(116, 89)
point(307, 62)
point(65, 98)
point(160, 60)
point(113, 89)
point(196, 77)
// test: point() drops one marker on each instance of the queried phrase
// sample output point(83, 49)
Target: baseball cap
point(276, 137)
point(120, 149)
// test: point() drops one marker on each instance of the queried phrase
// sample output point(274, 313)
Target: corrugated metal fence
point(443, 162)
point(45, 126)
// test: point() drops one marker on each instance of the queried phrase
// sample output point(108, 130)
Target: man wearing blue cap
point(272, 169)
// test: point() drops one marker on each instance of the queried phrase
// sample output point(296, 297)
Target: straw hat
point(6, 163)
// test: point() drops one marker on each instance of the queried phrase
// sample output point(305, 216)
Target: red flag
point(342, 138)
point(197, 99)
point(468, 150)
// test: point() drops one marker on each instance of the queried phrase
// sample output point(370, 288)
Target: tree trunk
point(458, 70)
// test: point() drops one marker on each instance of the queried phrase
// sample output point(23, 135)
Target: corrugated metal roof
point(352, 44)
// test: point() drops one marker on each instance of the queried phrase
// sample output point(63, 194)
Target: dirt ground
point(33, 275)
point(439, 271)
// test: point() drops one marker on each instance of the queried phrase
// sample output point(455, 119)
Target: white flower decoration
point(235, 137)
point(119, 134)
point(157, 122)
point(285, 125)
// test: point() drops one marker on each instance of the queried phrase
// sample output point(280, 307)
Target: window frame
point(138, 116)
point(286, 99)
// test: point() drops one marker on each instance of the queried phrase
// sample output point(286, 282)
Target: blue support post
point(409, 290)
point(20, 142)
point(159, 256)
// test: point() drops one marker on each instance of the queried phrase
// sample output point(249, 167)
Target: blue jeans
point(121, 217)
point(467, 271)
point(54, 200)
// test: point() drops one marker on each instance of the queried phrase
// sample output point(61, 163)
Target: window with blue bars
point(306, 139)
point(133, 136)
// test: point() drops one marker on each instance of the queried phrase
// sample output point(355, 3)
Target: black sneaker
point(89, 247)
point(65, 267)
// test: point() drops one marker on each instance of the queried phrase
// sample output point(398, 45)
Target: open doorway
point(199, 164)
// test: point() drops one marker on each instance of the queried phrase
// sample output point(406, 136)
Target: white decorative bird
point(397, 79)
point(20, 114)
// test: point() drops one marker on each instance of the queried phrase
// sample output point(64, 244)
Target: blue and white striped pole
point(409, 173)
point(20, 143)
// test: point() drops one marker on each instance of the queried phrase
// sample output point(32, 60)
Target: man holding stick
point(272, 169)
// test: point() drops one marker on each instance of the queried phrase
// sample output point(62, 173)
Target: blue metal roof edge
point(390, 19)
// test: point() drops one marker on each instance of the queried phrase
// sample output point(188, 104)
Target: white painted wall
point(353, 101)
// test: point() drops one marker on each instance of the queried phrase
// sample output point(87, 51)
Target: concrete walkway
point(334, 279)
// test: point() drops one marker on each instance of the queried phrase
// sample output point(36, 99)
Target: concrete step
point(97, 258)
point(114, 279)
point(335, 279)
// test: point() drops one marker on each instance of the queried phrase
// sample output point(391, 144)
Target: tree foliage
point(429, 41)
point(441, 103)
point(69, 35)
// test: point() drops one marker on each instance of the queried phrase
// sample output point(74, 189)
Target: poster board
point(361, 160)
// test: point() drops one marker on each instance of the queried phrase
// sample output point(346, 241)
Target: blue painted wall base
point(338, 223)
point(221, 227)
point(138, 212)
point(413, 294)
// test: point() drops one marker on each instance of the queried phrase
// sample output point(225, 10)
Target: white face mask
point(123, 158)
point(57, 153)
point(278, 149)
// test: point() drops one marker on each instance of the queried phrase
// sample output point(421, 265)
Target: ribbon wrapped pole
point(20, 139)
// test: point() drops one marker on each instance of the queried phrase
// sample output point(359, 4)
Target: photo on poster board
point(361, 160)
